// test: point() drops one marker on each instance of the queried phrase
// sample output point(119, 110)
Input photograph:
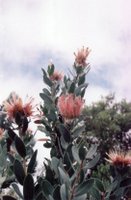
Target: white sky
point(28, 28)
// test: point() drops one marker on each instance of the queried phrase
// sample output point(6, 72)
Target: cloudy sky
point(34, 31)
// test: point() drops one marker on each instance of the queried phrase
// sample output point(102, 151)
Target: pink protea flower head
point(15, 105)
point(118, 158)
point(81, 56)
point(56, 76)
point(70, 106)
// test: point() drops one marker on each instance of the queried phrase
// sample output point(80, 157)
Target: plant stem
point(76, 181)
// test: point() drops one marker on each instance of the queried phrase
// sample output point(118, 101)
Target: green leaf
point(79, 69)
point(40, 196)
point(47, 188)
point(46, 92)
point(126, 182)
point(11, 133)
point(81, 197)
point(76, 154)
point(49, 174)
point(99, 185)
point(68, 164)
point(3, 158)
point(41, 128)
point(20, 147)
point(46, 79)
point(72, 88)
point(55, 163)
point(64, 144)
point(95, 193)
point(84, 187)
point(78, 130)
point(28, 189)
point(80, 88)
point(91, 152)
point(45, 123)
point(83, 92)
point(111, 188)
point(51, 69)
point(82, 153)
point(81, 79)
point(32, 164)
point(56, 193)
point(47, 145)
point(119, 192)
point(17, 190)
point(51, 198)
point(46, 98)
point(64, 132)
point(52, 116)
point(7, 197)
point(63, 192)
point(64, 177)
point(19, 171)
point(18, 118)
point(6, 182)
point(93, 162)
point(24, 125)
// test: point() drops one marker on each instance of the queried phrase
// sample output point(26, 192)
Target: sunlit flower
point(70, 106)
point(81, 56)
point(15, 105)
point(119, 158)
point(1, 133)
point(56, 76)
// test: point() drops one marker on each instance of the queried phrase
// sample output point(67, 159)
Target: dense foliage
point(109, 121)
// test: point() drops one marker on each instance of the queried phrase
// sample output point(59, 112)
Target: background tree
point(108, 123)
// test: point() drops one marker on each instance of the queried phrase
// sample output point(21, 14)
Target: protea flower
point(56, 76)
point(15, 106)
point(81, 56)
point(118, 158)
point(70, 106)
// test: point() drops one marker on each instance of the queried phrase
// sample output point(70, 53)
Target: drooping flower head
point(15, 105)
point(56, 76)
point(70, 106)
point(81, 57)
point(118, 158)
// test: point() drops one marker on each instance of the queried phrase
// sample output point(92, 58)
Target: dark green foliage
point(7, 197)
point(32, 164)
point(7, 182)
point(72, 87)
point(110, 122)
point(28, 188)
point(47, 188)
point(82, 152)
point(64, 132)
point(46, 98)
point(24, 126)
point(50, 69)
point(20, 147)
point(46, 79)
point(84, 187)
point(11, 134)
point(19, 171)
